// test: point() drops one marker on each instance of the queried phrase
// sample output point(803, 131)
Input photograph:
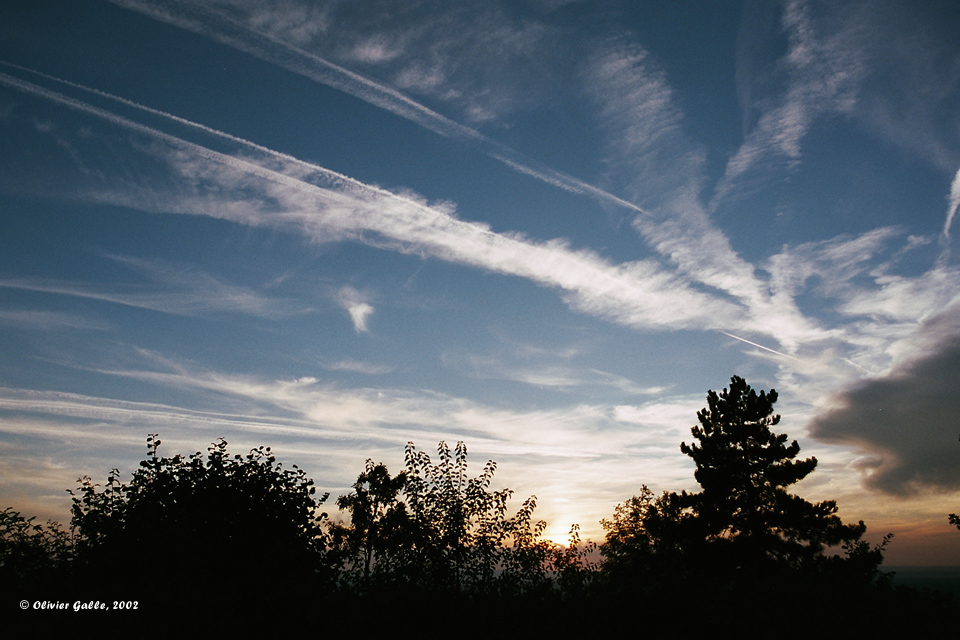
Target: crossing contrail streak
point(196, 17)
point(633, 294)
point(759, 346)
point(121, 121)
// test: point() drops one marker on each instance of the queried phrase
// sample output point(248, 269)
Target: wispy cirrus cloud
point(544, 375)
point(180, 292)
point(858, 274)
point(821, 73)
point(953, 205)
point(309, 402)
point(339, 426)
point(237, 29)
point(97, 417)
point(875, 310)
point(471, 56)
point(329, 430)
point(880, 379)
point(649, 151)
point(354, 366)
point(261, 187)
point(890, 66)
point(910, 97)
point(835, 261)
point(855, 277)
point(47, 320)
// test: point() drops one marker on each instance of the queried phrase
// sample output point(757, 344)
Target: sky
point(545, 228)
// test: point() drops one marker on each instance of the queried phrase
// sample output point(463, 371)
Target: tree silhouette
point(219, 528)
point(744, 469)
point(463, 537)
point(434, 528)
point(743, 527)
point(380, 528)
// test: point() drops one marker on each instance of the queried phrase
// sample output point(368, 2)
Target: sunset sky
point(543, 227)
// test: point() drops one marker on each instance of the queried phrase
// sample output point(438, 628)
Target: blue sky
point(545, 228)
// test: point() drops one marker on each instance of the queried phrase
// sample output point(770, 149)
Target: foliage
point(30, 552)
point(743, 526)
point(459, 523)
point(434, 527)
point(380, 526)
point(573, 567)
point(744, 468)
point(232, 520)
point(239, 525)
point(633, 536)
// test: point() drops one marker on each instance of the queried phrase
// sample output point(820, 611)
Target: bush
point(225, 529)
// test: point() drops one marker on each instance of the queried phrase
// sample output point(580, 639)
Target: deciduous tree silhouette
point(225, 526)
point(650, 541)
point(434, 528)
point(464, 540)
point(380, 530)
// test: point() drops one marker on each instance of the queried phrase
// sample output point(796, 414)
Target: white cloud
point(358, 367)
point(301, 23)
point(891, 66)
point(376, 49)
point(356, 305)
point(915, 69)
point(546, 376)
point(335, 428)
point(651, 153)
point(46, 320)
point(953, 206)
point(266, 188)
point(188, 294)
point(905, 299)
point(876, 312)
point(276, 48)
point(856, 272)
point(823, 68)
point(645, 143)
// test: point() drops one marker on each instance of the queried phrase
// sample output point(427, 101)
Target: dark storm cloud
point(909, 419)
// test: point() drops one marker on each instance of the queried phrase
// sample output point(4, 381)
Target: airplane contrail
point(256, 169)
point(954, 205)
point(641, 288)
point(209, 22)
point(759, 346)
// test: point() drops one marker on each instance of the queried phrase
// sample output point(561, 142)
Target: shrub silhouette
point(219, 528)
point(32, 556)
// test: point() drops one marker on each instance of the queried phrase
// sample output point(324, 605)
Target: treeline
point(238, 533)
